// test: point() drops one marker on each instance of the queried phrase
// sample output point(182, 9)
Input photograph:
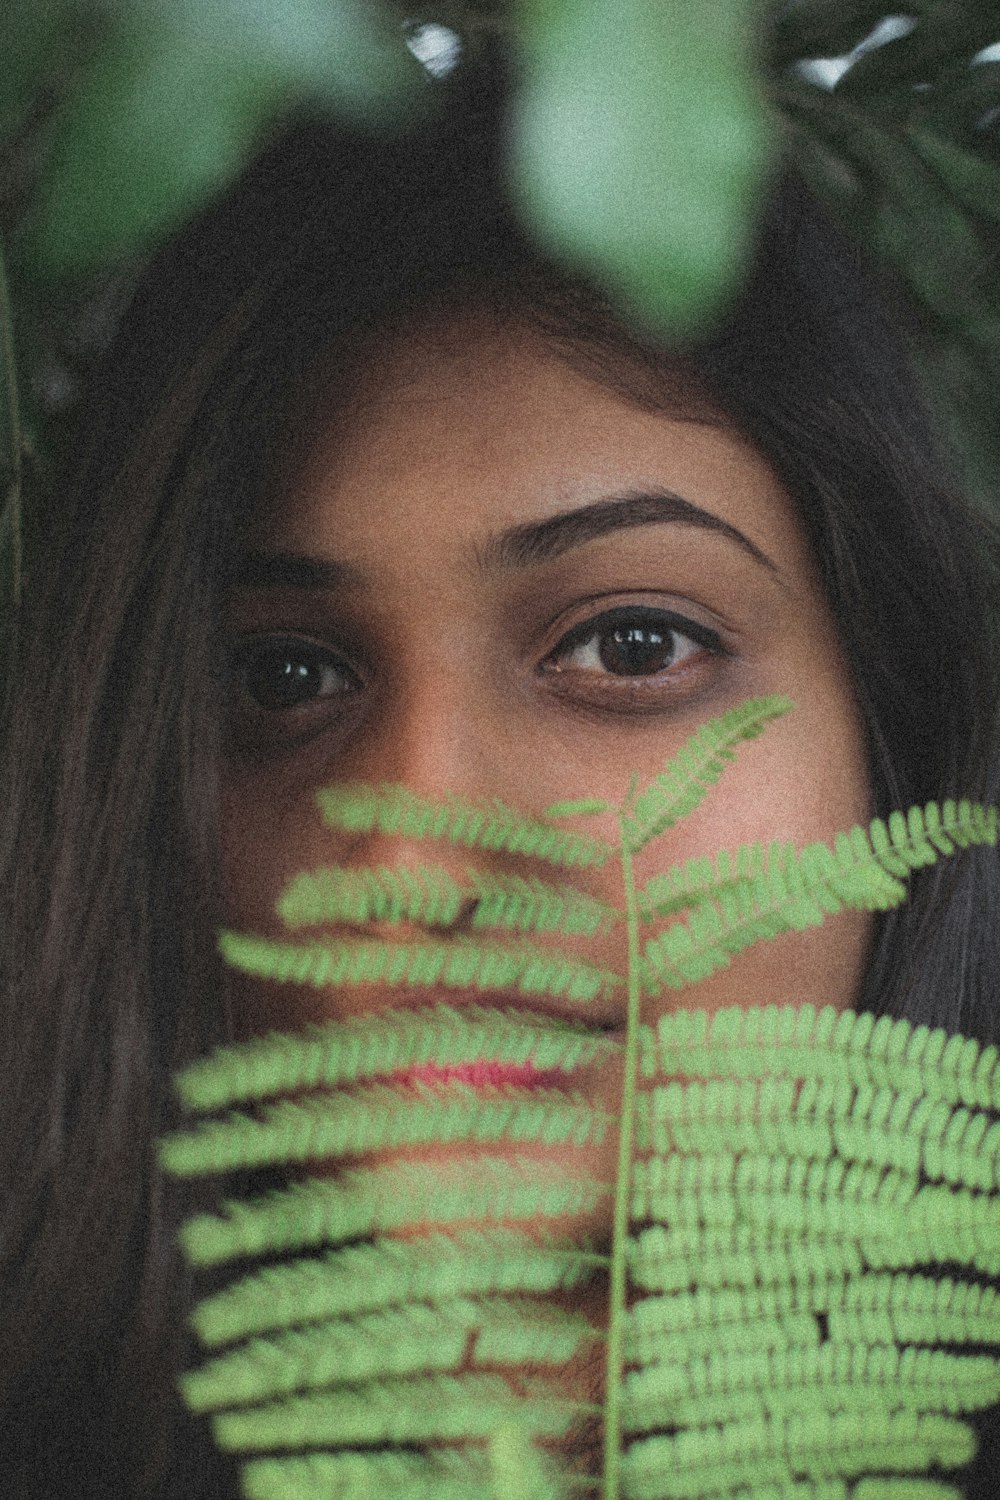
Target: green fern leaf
point(361, 1204)
point(435, 1408)
point(491, 826)
point(412, 1340)
point(515, 903)
point(454, 964)
point(380, 1119)
point(699, 878)
point(697, 765)
point(432, 897)
point(746, 1456)
point(427, 895)
point(335, 1053)
point(783, 891)
point(581, 807)
point(448, 1473)
point(825, 1046)
point(385, 1272)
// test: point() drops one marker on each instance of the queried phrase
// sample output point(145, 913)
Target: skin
point(446, 663)
point(442, 664)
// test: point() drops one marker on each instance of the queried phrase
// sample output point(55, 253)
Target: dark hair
point(110, 861)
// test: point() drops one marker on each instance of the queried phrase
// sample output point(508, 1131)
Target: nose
point(441, 742)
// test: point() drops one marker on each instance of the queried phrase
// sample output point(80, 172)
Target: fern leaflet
point(697, 765)
point(431, 896)
point(493, 827)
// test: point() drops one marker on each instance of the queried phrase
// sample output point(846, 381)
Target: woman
point(368, 489)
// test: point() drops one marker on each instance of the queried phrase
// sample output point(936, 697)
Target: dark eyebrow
point(537, 541)
point(521, 546)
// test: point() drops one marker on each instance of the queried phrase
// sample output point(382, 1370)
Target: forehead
point(455, 431)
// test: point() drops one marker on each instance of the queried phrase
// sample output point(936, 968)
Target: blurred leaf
point(28, 39)
point(640, 146)
point(971, 178)
point(968, 96)
point(821, 28)
point(351, 53)
point(924, 56)
point(178, 99)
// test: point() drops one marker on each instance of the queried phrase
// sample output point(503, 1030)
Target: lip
point(484, 1073)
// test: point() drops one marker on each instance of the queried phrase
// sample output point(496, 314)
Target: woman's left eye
point(632, 642)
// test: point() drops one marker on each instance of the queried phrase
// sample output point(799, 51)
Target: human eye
point(281, 687)
point(633, 647)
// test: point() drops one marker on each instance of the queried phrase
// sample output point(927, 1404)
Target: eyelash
point(293, 652)
point(636, 620)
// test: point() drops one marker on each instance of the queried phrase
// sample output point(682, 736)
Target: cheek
point(802, 782)
point(266, 838)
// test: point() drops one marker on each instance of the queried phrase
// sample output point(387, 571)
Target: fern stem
point(623, 1187)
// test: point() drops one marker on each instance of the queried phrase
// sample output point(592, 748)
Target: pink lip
point(484, 1073)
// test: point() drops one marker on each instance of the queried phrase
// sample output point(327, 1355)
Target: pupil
point(636, 650)
point(276, 680)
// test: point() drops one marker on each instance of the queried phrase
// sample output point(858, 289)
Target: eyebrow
point(522, 546)
point(536, 541)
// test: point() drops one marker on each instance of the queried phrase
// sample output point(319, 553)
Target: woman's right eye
point(282, 675)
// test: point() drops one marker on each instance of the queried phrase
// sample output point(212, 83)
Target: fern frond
point(412, 1340)
point(334, 1053)
point(521, 905)
point(492, 826)
point(727, 1386)
point(736, 1255)
point(432, 1408)
point(756, 896)
point(797, 1197)
point(826, 1044)
point(459, 1473)
point(866, 1309)
point(700, 877)
point(431, 896)
point(790, 1183)
point(379, 1119)
point(876, 1126)
point(361, 1204)
point(427, 895)
point(696, 766)
point(742, 1457)
point(416, 1339)
point(454, 964)
point(363, 1278)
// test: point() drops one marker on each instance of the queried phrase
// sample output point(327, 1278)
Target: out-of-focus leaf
point(351, 53)
point(967, 99)
point(971, 178)
point(821, 28)
point(933, 48)
point(28, 36)
point(640, 148)
point(177, 100)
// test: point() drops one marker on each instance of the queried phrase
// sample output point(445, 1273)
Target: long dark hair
point(110, 870)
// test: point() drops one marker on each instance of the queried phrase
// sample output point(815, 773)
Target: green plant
point(642, 141)
point(801, 1203)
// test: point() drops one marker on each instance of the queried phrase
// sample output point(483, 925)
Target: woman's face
point(494, 577)
point(497, 578)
